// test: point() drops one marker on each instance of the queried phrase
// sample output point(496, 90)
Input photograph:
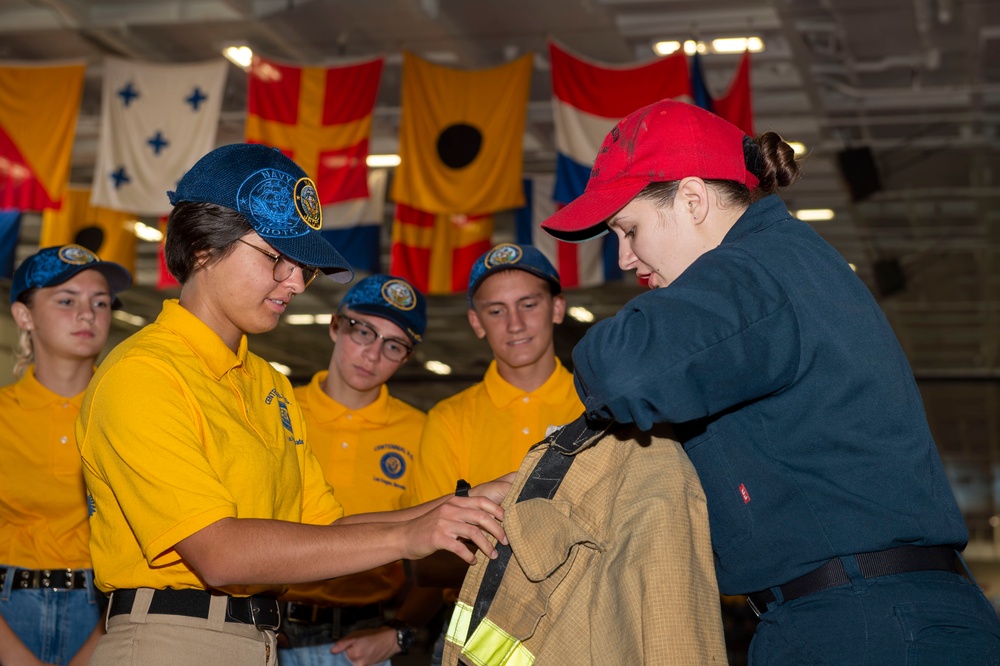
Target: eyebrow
point(613, 222)
point(77, 292)
point(537, 294)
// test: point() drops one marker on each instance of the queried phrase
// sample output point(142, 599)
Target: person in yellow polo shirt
point(206, 499)
point(366, 441)
point(515, 301)
point(61, 300)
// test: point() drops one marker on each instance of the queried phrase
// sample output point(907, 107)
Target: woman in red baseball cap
point(61, 301)
point(828, 502)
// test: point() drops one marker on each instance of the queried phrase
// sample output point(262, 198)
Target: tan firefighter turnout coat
point(610, 560)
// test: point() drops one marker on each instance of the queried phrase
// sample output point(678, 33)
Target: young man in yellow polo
point(366, 441)
point(483, 432)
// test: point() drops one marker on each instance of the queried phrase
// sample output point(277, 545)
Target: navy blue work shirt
point(792, 397)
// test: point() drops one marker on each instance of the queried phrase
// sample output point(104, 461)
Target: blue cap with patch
point(54, 265)
point(508, 256)
point(392, 298)
point(275, 196)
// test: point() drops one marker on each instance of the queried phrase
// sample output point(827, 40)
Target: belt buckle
point(260, 616)
point(753, 606)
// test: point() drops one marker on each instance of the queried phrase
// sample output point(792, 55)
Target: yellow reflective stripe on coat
point(489, 645)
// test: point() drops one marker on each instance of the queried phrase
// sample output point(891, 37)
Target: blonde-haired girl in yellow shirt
point(61, 300)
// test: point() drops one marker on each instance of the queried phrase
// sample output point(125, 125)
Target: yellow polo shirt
point(367, 456)
point(43, 502)
point(177, 432)
point(485, 431)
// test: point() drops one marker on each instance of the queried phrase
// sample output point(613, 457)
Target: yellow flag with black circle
point(461, 137)
point(107, 233)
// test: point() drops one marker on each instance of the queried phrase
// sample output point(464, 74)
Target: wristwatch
point(405, 634)
point(462, 488)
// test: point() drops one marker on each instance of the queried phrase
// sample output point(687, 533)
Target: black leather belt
point(338, 616)
point(260, 611)
point(26, 579)
point(904, 559)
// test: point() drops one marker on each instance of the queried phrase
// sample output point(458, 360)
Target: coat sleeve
point(724, 333)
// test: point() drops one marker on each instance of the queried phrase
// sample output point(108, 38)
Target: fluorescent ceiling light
point(666, 48)
point(281, 367)
point(737, 45)
point(324, 319)
point(854, 267)
point(438, 368)
point(147, 233)
point(814, 214)
point(300, 319)
point(382, 160)
point(241, 56)
point(128, 318)
point(691, 47)
point(798, 148)
point(581, 314)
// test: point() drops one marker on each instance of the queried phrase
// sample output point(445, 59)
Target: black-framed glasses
point(283, 266)
point(363, 333)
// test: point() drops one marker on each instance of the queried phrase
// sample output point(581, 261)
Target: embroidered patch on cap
point(307, 203)
point(76, 255)
point(268, 196)
point(399, 294)
point(502, 255)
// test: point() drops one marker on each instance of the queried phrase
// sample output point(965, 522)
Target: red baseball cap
point(664, 141)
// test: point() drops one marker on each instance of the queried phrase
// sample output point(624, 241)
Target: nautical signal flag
point(354, 227)
point(157, 120)
point(38, 110)
point(320, 117)
point(102, 231)
point(164, 278)
point(588, 99)
point(579, 264)
point(436, 251)
point(461, 137)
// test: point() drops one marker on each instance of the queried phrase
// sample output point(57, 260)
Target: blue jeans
point(54, 624)
point(313, 643)
point(915, 619)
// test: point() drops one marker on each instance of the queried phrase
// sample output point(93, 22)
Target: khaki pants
point(161, 640)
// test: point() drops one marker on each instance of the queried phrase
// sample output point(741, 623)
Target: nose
point(87, 312)
point(515, 320)
point(626, 258)
point(295, 281)
point(373, 351)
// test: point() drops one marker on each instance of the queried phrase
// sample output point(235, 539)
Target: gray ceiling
point(915, 81)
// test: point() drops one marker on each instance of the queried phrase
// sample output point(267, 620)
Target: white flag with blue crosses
point(157, 120)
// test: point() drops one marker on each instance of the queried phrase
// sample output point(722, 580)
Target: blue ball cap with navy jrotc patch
point(275, 196)
point(52, 266)
point(509, 256)
point(392, 298)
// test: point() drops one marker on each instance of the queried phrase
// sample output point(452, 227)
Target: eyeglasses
point(283, 266)
point(362, 333)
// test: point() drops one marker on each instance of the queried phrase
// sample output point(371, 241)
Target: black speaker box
point(857, 165)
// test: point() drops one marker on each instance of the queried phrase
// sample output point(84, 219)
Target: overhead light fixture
point(798, 148)
point(147, 233)
point(324, 319)
point(300, 319)
point(375, 161)
point(666, 48)
point(854, 267)
point(737, 45)
point(128, 318)
point(814, 214)
point(691, 47)
point(438, 368)
point(282, 368)
point(581, 314)
point(241, 56)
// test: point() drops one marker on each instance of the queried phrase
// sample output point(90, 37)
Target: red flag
point(319, 117)
point(164, 278)
point(736, 106)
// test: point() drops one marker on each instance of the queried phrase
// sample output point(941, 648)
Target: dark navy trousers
point(927, 618)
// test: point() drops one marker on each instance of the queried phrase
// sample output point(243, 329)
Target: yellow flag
point(108, 233)
point(461, 137)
